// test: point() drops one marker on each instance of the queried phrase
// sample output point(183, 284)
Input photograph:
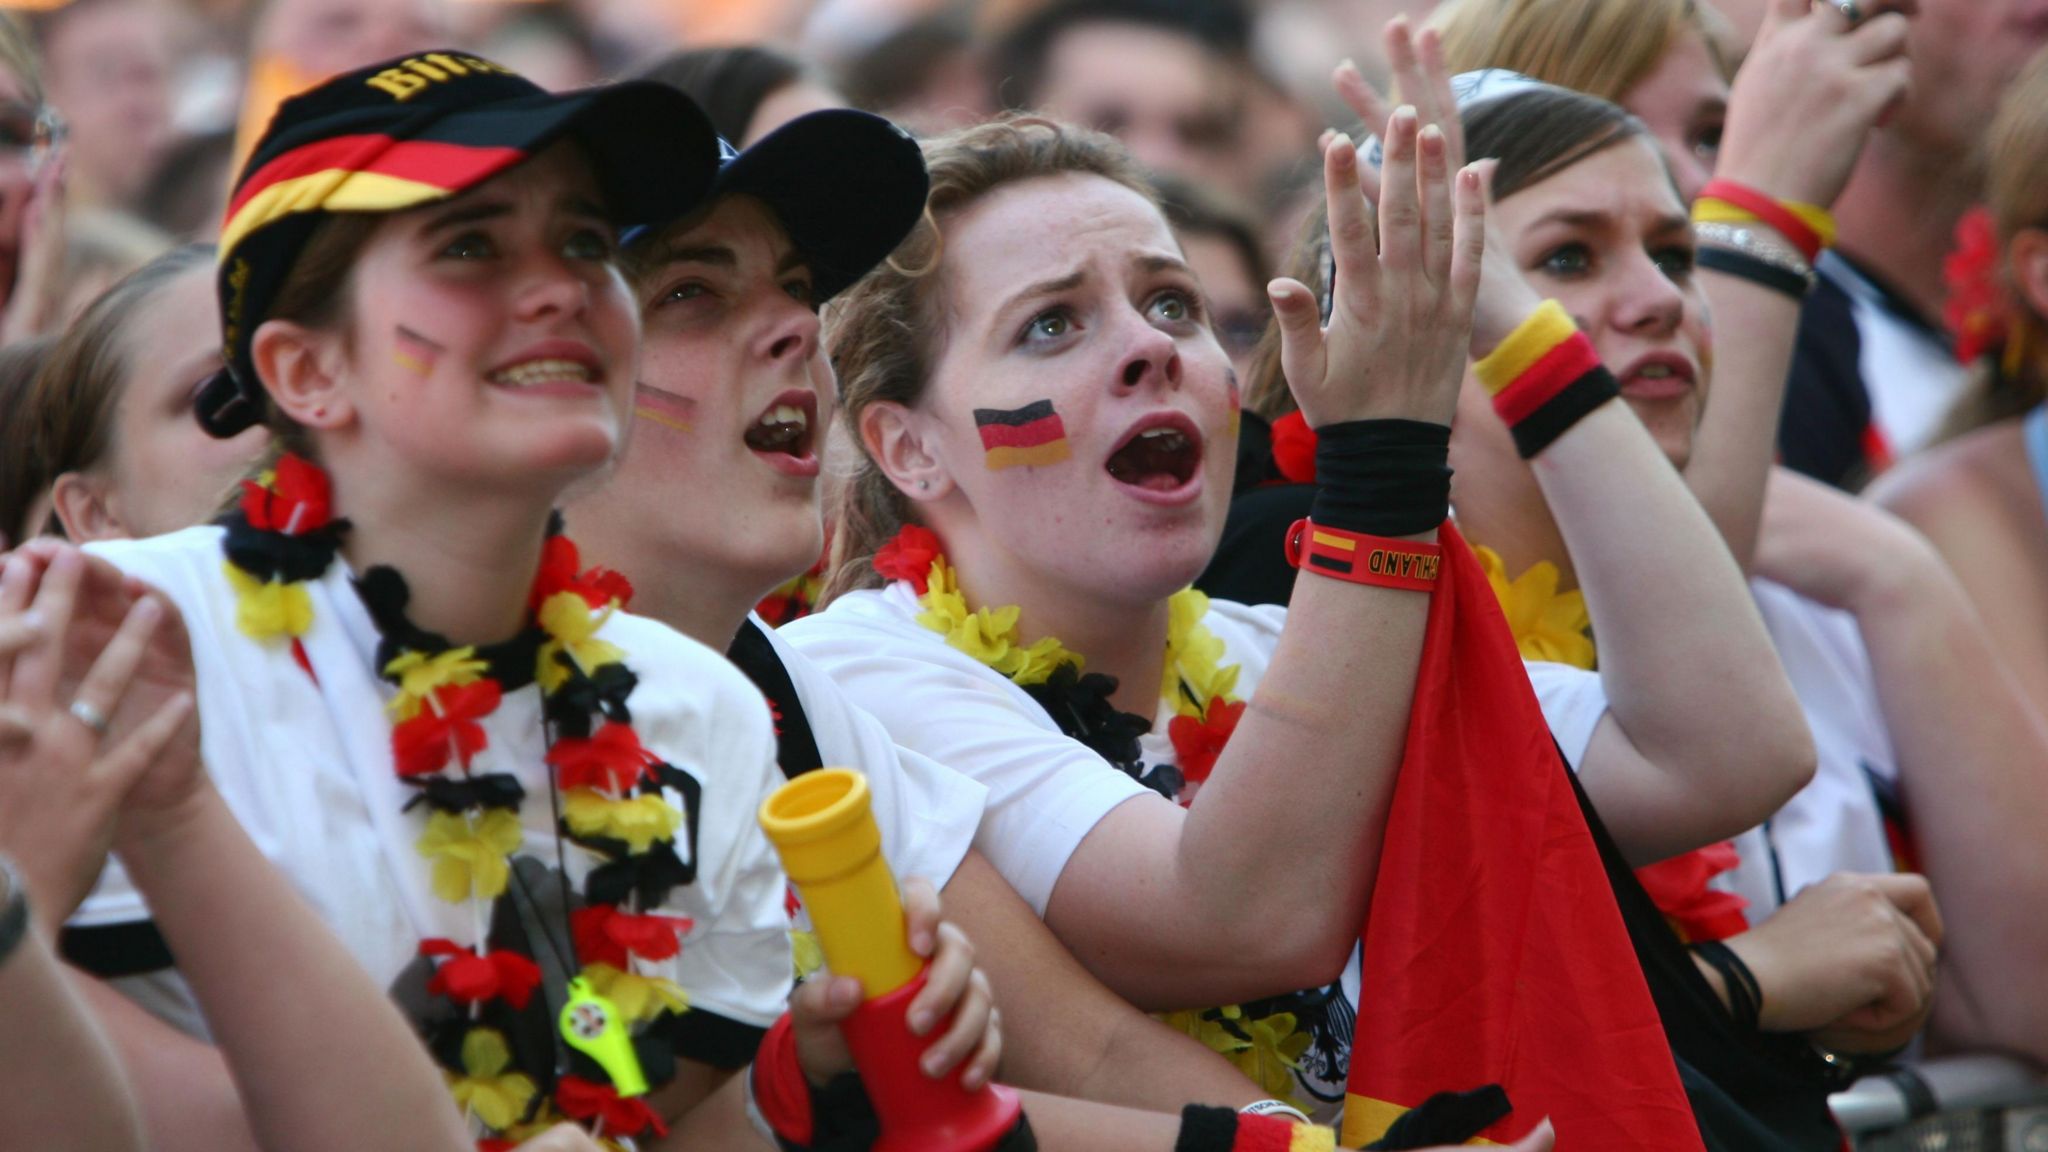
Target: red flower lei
point(282, 535)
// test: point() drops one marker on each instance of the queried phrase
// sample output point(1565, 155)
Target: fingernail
point(1348, 63)
point(930, 1063)
point(147, 608)
point(32, 621)
point(920, 1022)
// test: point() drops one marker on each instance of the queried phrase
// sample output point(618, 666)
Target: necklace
point(610, 797)
point(1268, 1040)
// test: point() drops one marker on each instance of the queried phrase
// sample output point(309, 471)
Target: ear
point(2029, 263)
point(898, 443)
point(301, 368)
point(85, 507)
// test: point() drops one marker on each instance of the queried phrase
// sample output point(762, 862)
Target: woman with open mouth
point(1191, 792)
point(717, 499)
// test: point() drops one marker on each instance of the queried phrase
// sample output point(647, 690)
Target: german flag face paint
point(1236, 405)
point(1029, 437)
point(416, 353)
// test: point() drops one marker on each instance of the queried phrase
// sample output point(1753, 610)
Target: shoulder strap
point(1749, 1091)
point(796, 748)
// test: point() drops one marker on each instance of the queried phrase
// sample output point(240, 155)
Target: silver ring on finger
point(1850, 10)
point(87, 714)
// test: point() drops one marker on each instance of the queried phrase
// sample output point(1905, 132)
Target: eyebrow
point(1054, 286)
point(468, 214)
point(1150, 264)
point(1583, 218)
point(717, 254)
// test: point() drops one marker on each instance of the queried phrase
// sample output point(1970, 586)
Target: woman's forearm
point(60, 1085)
point(188, 1098)
point(1064, 1032)
point(1717, 737)
point(291, 1010)
point(1737, 439)
point(1971, 750)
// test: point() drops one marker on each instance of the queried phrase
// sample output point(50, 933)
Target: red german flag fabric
point(1495, 953)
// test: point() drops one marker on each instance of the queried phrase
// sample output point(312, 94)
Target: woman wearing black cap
point(407, 679)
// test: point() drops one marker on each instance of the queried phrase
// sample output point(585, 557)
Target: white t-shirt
point(927, 812)
point(1834, 824)
point(308, 771)
point(1046, 791)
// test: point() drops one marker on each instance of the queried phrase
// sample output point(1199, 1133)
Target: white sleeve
point(1046, 792)
point(1573, 702)
point(736, 962)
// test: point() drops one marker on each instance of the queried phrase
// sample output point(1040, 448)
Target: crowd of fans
point(1576, 472)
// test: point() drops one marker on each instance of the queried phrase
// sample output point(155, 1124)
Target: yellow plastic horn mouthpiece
point(822, 826)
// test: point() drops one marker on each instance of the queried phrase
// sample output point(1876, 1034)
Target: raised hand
point(64, 770)
point(1813, 87)
point(1401, 308)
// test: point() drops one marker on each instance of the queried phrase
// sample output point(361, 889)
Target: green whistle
point(591, 1025)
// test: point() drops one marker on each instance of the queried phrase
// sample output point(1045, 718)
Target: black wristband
point(1745, 995)
point(1205, 1129)
point(14, 917)
point(1746, 267)
point(1382, 477)
point(842, 1118)
point(1577, 401)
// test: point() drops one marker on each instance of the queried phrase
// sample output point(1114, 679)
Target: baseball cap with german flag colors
point(413, 131)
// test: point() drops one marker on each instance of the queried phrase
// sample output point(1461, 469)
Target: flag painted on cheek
point(1022, 437)
point(677, 413)
point(415, 352)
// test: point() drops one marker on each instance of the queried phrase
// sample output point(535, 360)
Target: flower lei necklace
point(1268, 1039)
point(613, 803)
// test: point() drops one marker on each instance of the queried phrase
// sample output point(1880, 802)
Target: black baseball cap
point(416, 130)
point(848, 187)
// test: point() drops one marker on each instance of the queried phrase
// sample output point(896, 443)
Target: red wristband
point(1363, 559)
point(780, 1090)
point(1767, 209)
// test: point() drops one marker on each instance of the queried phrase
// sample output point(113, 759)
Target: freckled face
point(493, 338)
point(1609, 239)
point(1071, 291)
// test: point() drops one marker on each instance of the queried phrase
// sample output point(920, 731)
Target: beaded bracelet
point(1807, 227)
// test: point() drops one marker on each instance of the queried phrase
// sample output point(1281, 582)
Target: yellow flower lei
point(1194, 680)
point(1547, 624)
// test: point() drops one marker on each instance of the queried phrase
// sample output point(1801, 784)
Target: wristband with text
point(1808, 227)
point(1544, 378)
point(1382, 477)
point(1363, 559)
point(1205, 1129)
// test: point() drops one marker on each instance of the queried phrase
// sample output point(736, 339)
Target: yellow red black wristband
point(1362, 559)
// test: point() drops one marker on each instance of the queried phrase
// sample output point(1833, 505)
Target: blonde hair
point(885, 332)
point(2018, 199)
point(1600, 47)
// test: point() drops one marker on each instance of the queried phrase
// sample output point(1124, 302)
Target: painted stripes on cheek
point(1025, 437)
